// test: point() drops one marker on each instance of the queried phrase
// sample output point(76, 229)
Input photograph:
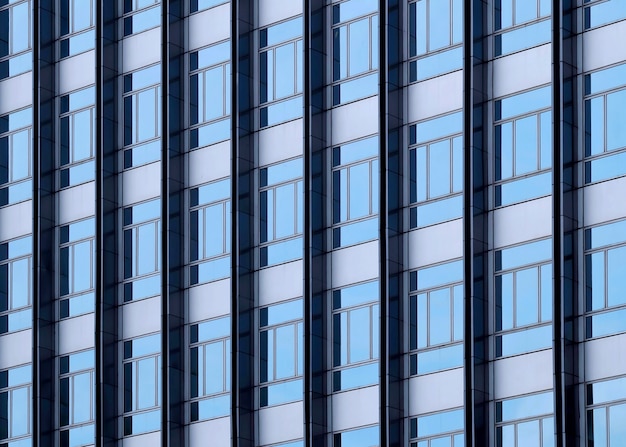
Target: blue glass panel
point(214, 270)
point(546, 140)
point(604, 12)
point(361, 437)
point(145, 211)
point(282, 111)
point(525, 11)
point(606, 391)
point(438, 423)
point(81, 304)
point(522, 38)
point(528, 433)
point(359, 47)
point(440, 359)
point(598, 430)
point(437, 128)
point(605, 168)
point(144, 154)
point(527, 406)
point(526, 150)
point(616, 273)
point(150, 344)
point(523, 103)
point(524, 189)
point(20, 164)
point(440, 316)
point(284, 392)
point(438, 64)
point(20, 375)
point(285, 351)
point(213, 192)
point(79, 43)
point(439, 168)
point(355, 295)
point(214, 94)
point(283, 252)
point(359, 150)
point(144, 20)
point(282, 172)
point(525, 341)
point(146, 422)
point(205, 4)
point(82, 408)
point(282, 32)
point(214, 367)
point(84, 435)
point(20, 247)
point(439, 19)
point(353, 8)
point(214, 54)
point(213, 329)
point(360, 334)
point(214, 407)
point(439, 211)
point(145, 287)
point(145, 77)
point(20, 406)
point(594, 130)
point(81, 173)
point(447, 273)
point(615, 129)
point(346, 235)
point(603, 235)
point(357, 377)
point(285, 71)
point(527, 296)
point(20, 37)
point(81, 360)
point(355, 89)
point(16, 120)
point(607, 79)
point(16, 65)
point(282, 313)
point(457, 164)
point(458, 312)
point(546, 292)
point(607, 323)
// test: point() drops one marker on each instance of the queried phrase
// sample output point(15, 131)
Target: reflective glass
point(440, 316)
point(522, 38)
point(146, 345)
point(603, 235)
point(524, 254)
point(281, 32)
point(214, 240)
point(605, 168)
point(439, 24)
point(438, 275)
point(20, 29)
point(597, 433)
point(439, 359)
point(20, 406)
point(213, 329)
point(527, 340)
point(606, 391)
point(615, 129)
point(525, 11)
point(523, 103)
point(285, 70)
point(211, 193)
point(359, 190)
point(211, 55)
point(285, 210)
point(359, 50)
point(82, 398)
point(353, 8)
point(526, 145)
point(214, 98)
point(360, 334)
point(439, 168)
point(602, 13)
point(20, 274)
point(607, 79)
point(214, 367)
point(616, 273)
point(20, 163)
point(357, 438)
point(527, 296)
point(355, 295)
point(440, 423)
point(146, 383)
point(283, 392)
point(527, 406)
point(617, 432)
point(437, 128)
point(285, 352)
point(504, 295)
point(146, 249)
point(594, 117)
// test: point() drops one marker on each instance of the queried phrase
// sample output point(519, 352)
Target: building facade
point(313, 223)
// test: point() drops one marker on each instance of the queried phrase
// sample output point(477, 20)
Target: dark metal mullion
point(99, 283)
point(468, 246)
point(234, 225)
point(557, 213)
point(382, 222)
point(307, 262)
point(36, 225)
point(165, 295)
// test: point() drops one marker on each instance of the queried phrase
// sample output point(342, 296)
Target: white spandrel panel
point(271, 11)
point(436, 392)
point(281, 423)
point(209, 300)
point(522, 222)
point(215, 430)
point(522, 70)
point(280, 283)
point(604, 201)
point(77, 202)
point(600, 47)
point(77, 72)
point(356, 408)
point(16, 92)
point(141, 50)
point(435, 96)
point(354, 264)
point(210, 26)
point(605, 357)
point(281, 142)
point(436, 243)
point(209, 163)
point(141, 317)
point(15, 348)
point(141, 183)
point(522, 374)
point(16, 220)
point(354, 120)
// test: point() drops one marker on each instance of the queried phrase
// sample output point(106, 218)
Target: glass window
point(141, 15)
point(15, 38)
point(209, 83)
point(525, 421)
point(444, 429)
point(605, 269)
point(523, 146)
point(77, 137)
point(210, 232)
point(355, 50)
point(368, 436)
point(604, 134)
point(603, 12)
point(142, 384)
point(435, 26)
point(16, 405)
point(76, 398)
point(436, 169)
point(77, 16)
point(523, 298)
point(15, 285)
point(281, 212)
point(281, 352)
point(280, 72)
point(16, 157)
point(142, 249)
point(210, 369)
point(355, 336)
point(142, 116)
point(606, 413)
point(355, 192)
point(199, 5)
point(517, 14)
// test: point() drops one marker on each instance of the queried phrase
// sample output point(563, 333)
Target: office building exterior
point(313, 223)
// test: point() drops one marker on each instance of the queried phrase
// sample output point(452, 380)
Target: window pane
point(527, 296)
point(285, 71)
point(20, 27)
point(20, 283)
point(146, 115)
point(598, 430)
point(146, 261)
point(20, 166)
point(285, 352)
point(359, 46)
point(504, 286)
point(20, 418)
point(615, 129)
point(526, 145)
point(215, 231)
point(617, 418)
point(146, 383)
point(616, 273)
point(359, 190)
point(82, 398)
point(214, 100)
point(439, 168)
point(82, 135)
point(82, 266)
point(214, 367)
point(360, 334)
point(285, 210)
point(439, 24)
point(594, 128)
point(440, 316)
